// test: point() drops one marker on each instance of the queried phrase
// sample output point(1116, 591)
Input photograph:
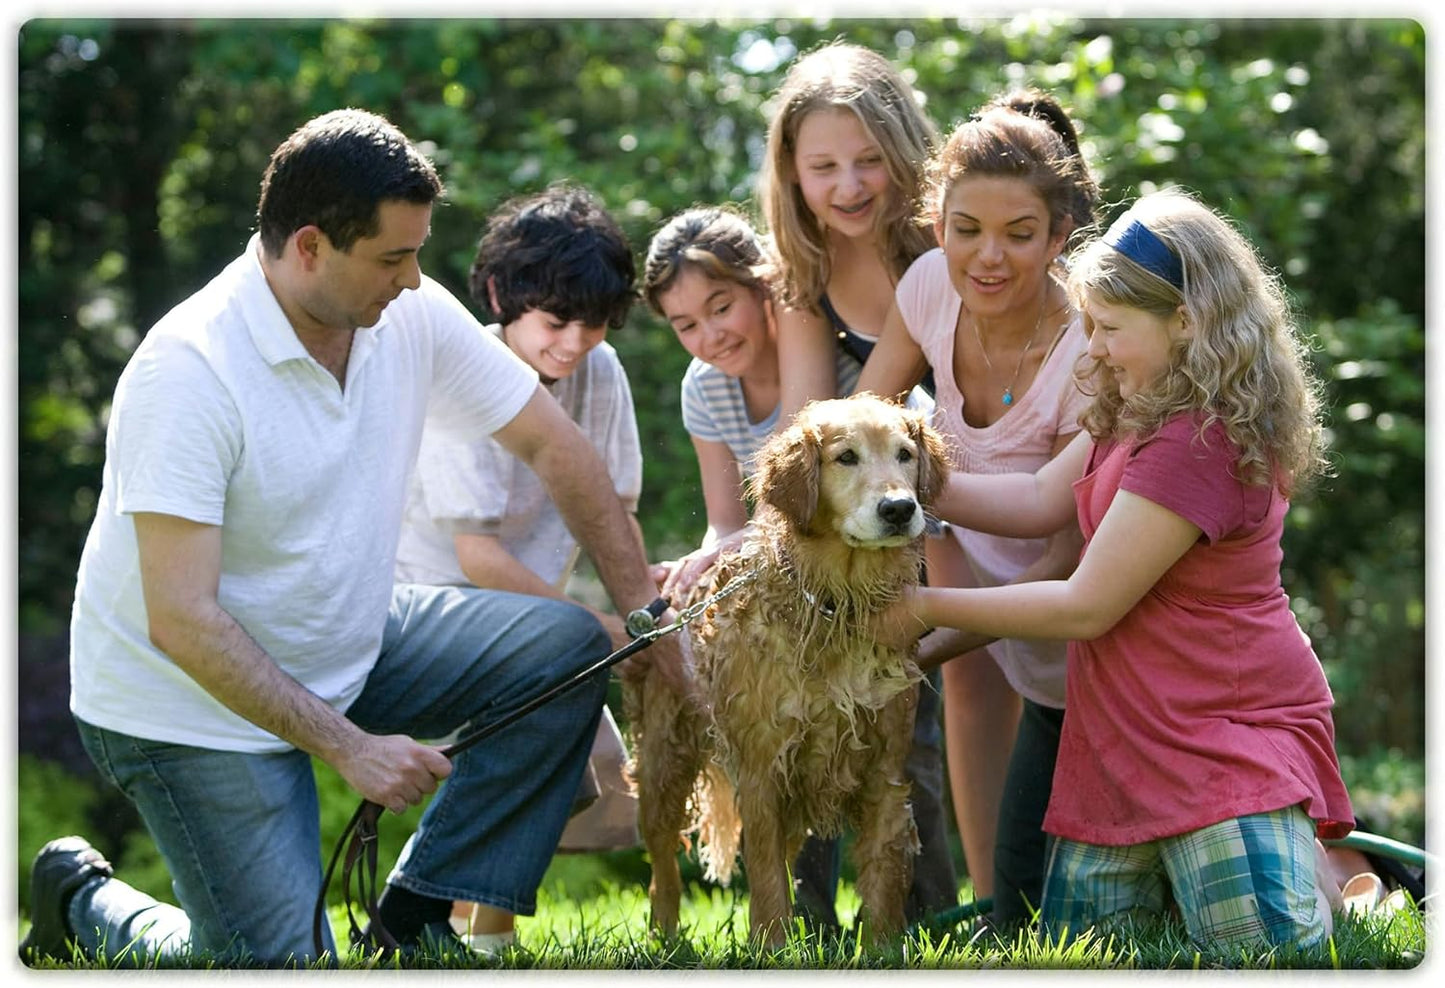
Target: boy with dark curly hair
point(557, 272)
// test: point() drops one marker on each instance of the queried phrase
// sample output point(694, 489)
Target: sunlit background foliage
point(141, 143)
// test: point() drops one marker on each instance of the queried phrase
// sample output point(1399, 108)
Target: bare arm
point(727, 514)
point(1058, 561)
point(180, 564)
point(807, 368)
point(576, 478)
point(487, 563)
point(1017, 505)
point(945, 644)
point(896, 363)
point(1061, 555)
point(1135, 545)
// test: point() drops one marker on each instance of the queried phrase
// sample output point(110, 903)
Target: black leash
point(358, 842)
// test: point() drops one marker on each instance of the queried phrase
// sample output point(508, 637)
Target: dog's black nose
point(897, 510)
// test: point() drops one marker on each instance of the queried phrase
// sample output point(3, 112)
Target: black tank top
point(859, 347)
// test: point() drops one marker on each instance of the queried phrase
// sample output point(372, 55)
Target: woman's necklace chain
point(1008, 391)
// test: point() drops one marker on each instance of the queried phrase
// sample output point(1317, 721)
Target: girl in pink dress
point(1197, 759)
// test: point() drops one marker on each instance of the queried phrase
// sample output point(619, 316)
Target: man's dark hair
point(334, 172)
point(558, 251)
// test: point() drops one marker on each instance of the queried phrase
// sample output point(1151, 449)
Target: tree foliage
point(141, 145)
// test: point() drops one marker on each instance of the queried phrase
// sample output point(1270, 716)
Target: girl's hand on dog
point(899, 625)
point(677, 579)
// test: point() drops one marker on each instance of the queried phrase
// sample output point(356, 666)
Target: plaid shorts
point(1248, 881)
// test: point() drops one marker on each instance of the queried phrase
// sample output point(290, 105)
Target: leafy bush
point(1388, 793)
point(50, 803)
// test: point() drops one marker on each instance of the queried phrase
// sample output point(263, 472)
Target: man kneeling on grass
point(236, 612)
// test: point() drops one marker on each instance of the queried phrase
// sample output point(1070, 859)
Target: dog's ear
point(787, 474)
point(933, 462)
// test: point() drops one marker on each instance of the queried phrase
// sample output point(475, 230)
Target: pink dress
point(1206, 701)
point(1019, 442)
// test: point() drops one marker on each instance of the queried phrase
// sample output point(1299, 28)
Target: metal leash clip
point(688, 614)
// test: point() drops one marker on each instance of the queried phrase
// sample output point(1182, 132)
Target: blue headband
point(1142, 246)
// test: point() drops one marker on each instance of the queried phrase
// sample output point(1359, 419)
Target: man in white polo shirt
point(235, 611)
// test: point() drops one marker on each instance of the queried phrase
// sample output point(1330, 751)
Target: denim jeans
point(240, 832)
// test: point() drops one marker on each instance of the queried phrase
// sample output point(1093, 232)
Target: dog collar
point(826, 609)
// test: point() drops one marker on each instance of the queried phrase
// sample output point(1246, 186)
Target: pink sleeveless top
point(1021, 441)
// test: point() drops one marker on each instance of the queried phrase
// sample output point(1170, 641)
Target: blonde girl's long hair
point(849, 77)
point(1243, 364)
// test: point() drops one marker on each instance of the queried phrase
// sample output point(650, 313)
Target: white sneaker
point(490, 945)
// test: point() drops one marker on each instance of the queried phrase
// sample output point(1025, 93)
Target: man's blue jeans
point(240, 833)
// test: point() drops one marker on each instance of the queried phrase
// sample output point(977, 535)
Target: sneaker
point(60, 870)
point(491, 946)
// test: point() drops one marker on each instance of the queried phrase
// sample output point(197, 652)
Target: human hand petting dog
point(677, 579)
point(900, 624)
point(907, 620)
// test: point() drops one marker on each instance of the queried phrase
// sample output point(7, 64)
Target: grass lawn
point(606, 929)
point(592, 908)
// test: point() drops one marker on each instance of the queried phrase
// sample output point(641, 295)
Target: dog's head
point(863, 468)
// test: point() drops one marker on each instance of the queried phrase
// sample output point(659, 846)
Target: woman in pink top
point(988, 314)
point(1197, 761)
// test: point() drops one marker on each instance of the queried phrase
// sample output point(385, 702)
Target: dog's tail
point(718, 824)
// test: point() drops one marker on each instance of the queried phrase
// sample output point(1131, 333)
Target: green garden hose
point(1384, 847)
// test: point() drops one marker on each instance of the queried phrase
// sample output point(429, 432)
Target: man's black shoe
point(60, 870)
point(435, 941)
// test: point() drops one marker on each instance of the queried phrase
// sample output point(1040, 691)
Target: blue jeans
point(240, 832)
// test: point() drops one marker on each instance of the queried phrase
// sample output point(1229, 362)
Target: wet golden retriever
point(800, 720)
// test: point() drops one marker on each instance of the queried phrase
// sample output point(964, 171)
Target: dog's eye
point(848, 458)
point(905, 455)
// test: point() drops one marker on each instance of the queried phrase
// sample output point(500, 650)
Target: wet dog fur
point(800, 720)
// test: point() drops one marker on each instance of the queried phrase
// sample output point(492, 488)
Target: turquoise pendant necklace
point(1008, 391)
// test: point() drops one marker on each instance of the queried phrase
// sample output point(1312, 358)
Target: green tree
point(141, 144)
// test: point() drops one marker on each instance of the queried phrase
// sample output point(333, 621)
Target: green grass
point(593, 910)
point(606, 929)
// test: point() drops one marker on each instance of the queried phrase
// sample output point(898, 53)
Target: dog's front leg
point(887, 839)
point(883, 854)
point(764, 856)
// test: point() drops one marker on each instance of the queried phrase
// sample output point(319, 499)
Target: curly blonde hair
point(1244, 364)
point(844, 76)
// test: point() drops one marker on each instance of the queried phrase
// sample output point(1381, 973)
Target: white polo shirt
point(223, 418)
